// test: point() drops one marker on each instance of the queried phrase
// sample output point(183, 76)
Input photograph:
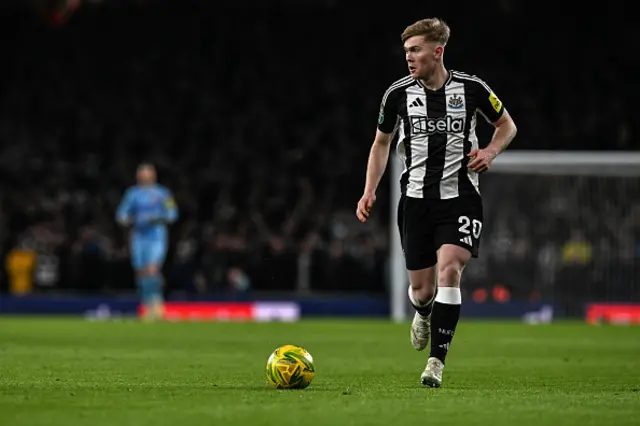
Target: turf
point(70, 372)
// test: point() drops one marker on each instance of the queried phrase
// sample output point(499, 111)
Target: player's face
point(422, 56)
point(146, 176)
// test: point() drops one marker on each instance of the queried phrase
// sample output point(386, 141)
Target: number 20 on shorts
point(475, 224)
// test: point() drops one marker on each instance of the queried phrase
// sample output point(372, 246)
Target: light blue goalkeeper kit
point(148, 209)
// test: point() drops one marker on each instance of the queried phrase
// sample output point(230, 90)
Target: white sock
point(419, 305)
point(449, 295)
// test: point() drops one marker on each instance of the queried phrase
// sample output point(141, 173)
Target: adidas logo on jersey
point(467, 240)
point(417, 102)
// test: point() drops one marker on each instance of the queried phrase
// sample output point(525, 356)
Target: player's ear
point(438, 51)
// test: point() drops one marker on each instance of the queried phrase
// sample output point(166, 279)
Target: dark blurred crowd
point(567, 238)
point(260, 120)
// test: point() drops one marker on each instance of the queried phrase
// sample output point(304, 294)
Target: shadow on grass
point(252, 387)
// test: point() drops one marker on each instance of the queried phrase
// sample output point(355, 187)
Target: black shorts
point(426, 224)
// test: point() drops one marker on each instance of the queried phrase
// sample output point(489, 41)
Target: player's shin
point(155, 303)
point(422, 301)
point(150, 287)
point(444, 320)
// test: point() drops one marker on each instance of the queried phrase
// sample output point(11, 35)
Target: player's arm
point(124, 211)
point(378, 157)
point(170, 209)
point(505, 129)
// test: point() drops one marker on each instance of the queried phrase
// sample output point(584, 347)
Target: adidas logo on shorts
point(467, 240)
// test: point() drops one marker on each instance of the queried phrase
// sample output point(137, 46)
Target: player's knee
point(450, 273)
point(423, 283)
point(425, 293)
point(152, 269)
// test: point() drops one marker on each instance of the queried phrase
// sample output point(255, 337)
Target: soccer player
point(433, 109)
point(148, 208)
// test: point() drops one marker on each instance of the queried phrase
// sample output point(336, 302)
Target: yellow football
point(290, 367)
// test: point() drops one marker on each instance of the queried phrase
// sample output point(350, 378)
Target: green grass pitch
point(70, 372)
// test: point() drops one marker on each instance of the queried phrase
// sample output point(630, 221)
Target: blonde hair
point(432, 29)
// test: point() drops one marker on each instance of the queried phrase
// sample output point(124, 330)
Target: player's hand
point(124, 221)
point(364, 206)
point(481, 160)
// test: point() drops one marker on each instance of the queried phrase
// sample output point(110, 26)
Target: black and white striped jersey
point(436, 131)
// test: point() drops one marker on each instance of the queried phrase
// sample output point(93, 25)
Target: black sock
point(425, 310)
point(444, 320)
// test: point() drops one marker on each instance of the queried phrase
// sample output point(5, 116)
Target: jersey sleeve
point(170, 207)
point(488, 103)
point(388, 114)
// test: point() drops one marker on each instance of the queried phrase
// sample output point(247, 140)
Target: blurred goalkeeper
point(148, 208)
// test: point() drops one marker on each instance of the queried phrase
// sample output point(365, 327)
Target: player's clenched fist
point(364, 206)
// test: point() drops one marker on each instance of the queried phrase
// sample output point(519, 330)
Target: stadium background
point(260, 118)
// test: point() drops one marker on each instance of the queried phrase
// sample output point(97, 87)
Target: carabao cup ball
point(290, 367)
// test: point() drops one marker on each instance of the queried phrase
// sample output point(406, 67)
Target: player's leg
point(138, 264)
point(140, 259)
point(154, 279)
point(420, 258)
point(422, 288)
point(446, 310)
point(458, 239)
point(147, 293)
point(152, 293)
